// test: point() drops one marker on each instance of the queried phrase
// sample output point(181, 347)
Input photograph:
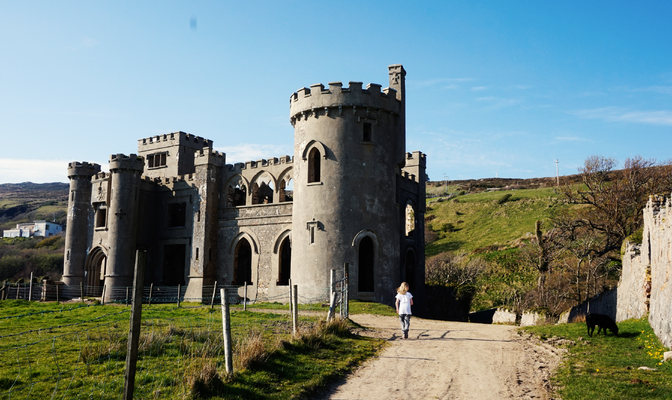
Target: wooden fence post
point(290, 297)
point(179, 292)
point(245, 297)
point(295, 309)
point(226, 326)
point(30, 288)
point(81, 291)
point(134, 331)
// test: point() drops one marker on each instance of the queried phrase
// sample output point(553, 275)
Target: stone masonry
point(350, 199)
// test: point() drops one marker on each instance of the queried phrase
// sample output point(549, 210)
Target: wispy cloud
point(570, 139)
point(615, 114)
point(253, 152)
point(36, 171)
point(479, 88)
point(657, 89)
point(444, 83)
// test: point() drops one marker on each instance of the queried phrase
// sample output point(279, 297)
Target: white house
point(35, 229)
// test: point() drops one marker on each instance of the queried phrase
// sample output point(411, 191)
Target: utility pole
point(557, 175)
point(445, 182)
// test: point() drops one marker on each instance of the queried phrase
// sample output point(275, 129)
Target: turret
point(80, 217)
point(348, 144)
point(125, 178)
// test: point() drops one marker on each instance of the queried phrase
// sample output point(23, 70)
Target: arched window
point(242, 263)
point(410, 268)
point(262, 190)
point(236, 192)
point(366, 257)
point(286, 191)
point(285, 267)
point(314, 165)
point(410, 219)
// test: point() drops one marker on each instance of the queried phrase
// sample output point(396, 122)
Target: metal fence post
point(179, 291)
point(151, 289)
point(290, 297)
point(226, 325)
point(102, 296)
point(136, 318)
point(214, 290)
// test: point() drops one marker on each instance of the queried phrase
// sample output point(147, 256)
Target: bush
point(504, 198)
point(10, 266)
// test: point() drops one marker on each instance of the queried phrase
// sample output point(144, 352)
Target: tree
point(614, 199)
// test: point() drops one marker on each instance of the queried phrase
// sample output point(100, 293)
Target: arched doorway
point(242, 263)
point(96, 264)
point(285, 258)
point(365, 267)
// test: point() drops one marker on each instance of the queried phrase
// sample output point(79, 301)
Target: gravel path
point(449, 360)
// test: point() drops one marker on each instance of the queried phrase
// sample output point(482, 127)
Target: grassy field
point(74, 350)
point(474, 221)
point(607, 367)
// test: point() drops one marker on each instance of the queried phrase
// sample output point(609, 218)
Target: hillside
point(26, 202)
point(487, 220)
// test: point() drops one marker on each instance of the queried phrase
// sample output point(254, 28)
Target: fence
point(78, 349)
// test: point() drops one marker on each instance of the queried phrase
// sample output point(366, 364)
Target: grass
point(475, 221)
point(606, 367)
point(71, 350)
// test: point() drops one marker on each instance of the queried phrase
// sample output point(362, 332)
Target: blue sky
point(494, 88)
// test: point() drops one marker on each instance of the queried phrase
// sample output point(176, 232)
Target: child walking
point(403, 304)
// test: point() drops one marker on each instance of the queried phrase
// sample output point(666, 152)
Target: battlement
point(317, 100)
point(208, 156)
point(655, 203)
point(83, 168)
point(416, 158)
point(172, 139)
point(130, 162)
point(260, 163)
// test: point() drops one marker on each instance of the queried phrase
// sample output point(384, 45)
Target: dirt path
point(449, 360)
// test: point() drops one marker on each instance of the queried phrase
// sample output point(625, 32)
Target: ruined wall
point(604, 303)
point(658, 244)
point(635, 284)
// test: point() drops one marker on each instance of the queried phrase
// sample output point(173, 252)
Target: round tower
point(348, 147)
point(80, 216)
point(125, 178)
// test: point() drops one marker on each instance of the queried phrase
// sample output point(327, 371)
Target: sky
point(494, 88)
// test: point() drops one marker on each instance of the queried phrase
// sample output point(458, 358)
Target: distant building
point(34, 229)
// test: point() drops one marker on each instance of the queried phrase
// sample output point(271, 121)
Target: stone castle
point(350, 199)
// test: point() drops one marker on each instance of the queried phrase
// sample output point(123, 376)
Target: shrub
point(504, 198)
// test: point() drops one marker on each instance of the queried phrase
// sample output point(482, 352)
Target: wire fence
point(78, 349)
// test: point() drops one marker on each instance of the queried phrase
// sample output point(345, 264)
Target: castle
point(350, 199)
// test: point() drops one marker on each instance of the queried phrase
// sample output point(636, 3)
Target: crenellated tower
point(124, 186)
point(80, 217)
point(348, 147)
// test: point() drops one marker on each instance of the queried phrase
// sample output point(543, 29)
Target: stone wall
point(504, 316)
point(657, 248)
point(634, 286)
point(604, 303)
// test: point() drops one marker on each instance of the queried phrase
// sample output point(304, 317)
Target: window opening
point(235, 195)
point(156, 160)
point(101, 217)
point(242, 263)
point(366, 257)
point(286, 190)
point(314, 166)
point(366, 137)
point(284, 272)
point(177, 214)
point(410, 220)
point(262, 191)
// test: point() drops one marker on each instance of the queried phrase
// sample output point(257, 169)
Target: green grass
point(606, 367)
point(476, 221)
point(74, 350)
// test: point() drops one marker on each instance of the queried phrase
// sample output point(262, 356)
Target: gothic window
point(262, 190)
point(285, 260)
point(286, 192)
point(410, 220)
point(236, 193)
point(156, 160)
point(242, 263)
point(314, 166)
point(366, 257)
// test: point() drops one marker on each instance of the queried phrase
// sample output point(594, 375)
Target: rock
point(647, 369)
point(667, 355)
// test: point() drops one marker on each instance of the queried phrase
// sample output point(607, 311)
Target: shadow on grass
point(437, 248)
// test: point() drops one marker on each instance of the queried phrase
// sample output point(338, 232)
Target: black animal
point(603, 323)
